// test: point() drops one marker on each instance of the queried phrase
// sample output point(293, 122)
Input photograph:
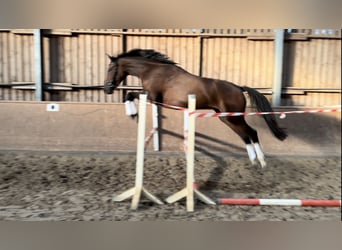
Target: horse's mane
point(147, 54)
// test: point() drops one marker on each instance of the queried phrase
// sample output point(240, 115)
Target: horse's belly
point(180, 98)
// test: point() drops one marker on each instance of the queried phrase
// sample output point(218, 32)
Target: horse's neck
point(134, 67)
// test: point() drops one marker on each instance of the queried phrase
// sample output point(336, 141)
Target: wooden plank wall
point(16, 64)
point(313, 64)
point(78, 56)
point(239, 60)
point(80, 60)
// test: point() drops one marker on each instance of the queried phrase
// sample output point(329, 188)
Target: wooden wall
point(75, 61)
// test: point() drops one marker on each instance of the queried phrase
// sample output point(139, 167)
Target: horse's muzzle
point(108, 87)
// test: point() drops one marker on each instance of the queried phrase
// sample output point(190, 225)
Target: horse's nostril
point(108, 89)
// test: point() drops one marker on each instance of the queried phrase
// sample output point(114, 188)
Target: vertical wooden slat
point(270, 65)
point(17, 66)
point(303, 77)
point(328, 60)
point(106, 61)
point(298, 65)
point(31, 63)
point(61, 60)
point(73, 57)
point(241, 61)
point(67, 65)
point(216, 57)
point(82, 62)
point(169, 46)
point(182, 48)
point(257, 64)
point(46, 59)
point(13, 76)
point(115, 45)
point(263, 64)
point(25, 64)
point(197, 55)
point(67, 59)
point(5, 64)
point(88, 69)
point(231, 53)
point(221, 59)
point(95, 66)
point(335, 64)
point(210, 60)
point(2, 65)
point(250, 57)
point(205, 57)
point(332, 56)
point(99, 74)
point(109, 49)
point(162, 44)
point(317, 65)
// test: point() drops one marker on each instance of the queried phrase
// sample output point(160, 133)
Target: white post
point(155, 127)
point(190, 153)
point(38, 63)
point(186, 129)
point(136, 191)
point(278, 66)
point(140, 150)
point(189, 144)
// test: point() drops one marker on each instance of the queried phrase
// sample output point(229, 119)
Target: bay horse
point(166, 82)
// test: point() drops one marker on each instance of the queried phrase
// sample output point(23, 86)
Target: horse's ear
point(110, 57)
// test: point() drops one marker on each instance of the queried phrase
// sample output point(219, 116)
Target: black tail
point(263, 105)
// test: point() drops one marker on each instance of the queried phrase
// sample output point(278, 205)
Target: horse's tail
point(263, 105)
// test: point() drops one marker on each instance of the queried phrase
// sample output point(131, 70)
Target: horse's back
point(227, 95)
point(172, 85)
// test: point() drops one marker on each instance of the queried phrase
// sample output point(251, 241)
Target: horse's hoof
point(254, 163)
point(262, 164)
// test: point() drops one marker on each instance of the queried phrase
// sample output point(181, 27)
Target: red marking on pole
point(321, 203)
point(227, 201)
point(149, 136)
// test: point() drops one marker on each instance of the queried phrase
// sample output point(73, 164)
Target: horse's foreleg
point(130, 105)
point(130, 96)
point(251, 153)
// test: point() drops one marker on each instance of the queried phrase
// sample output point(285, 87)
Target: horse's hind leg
point(260, 154)
point(248, 135)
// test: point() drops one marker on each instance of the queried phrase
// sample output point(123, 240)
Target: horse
point(166, 82)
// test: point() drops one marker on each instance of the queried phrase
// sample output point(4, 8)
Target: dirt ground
point(56, 186)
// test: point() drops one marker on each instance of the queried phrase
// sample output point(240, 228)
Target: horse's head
point(114, 75)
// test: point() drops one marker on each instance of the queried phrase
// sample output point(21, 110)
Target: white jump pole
point(155, 127)
point(189, 143)
point(136, 191)
point(186, 129)
point(190, 154)
point(280, 202)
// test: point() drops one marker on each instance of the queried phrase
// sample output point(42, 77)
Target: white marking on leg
point(260, 154)
point(251, 153)
point(130, 108)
